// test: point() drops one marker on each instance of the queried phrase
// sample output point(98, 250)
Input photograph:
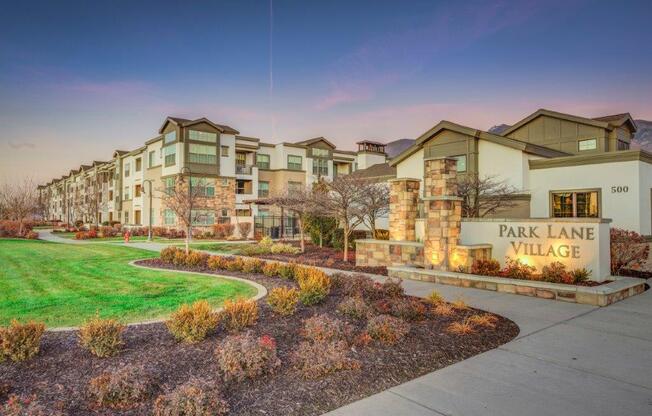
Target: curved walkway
point(568, 359)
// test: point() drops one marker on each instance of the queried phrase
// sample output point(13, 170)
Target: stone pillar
point(443, 209)
point(403, 200)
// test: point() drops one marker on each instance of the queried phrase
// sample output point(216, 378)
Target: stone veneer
point(443, 212)
point(388, 253)
point(224, 197)
point(403, 200)
point(463, 257)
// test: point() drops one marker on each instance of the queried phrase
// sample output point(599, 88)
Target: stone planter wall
point(388, 253)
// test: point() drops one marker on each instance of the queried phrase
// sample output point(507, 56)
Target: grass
point(64, 285)
point(228, 248)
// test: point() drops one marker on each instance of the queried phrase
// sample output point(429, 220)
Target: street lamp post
point(149, 229)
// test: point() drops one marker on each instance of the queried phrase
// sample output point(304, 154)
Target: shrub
point(324, 328)
point(357, 285)
point(283, 300)
point(486, 267)
point(282, 248)
point(303, 272)
point(19, 342)
point(461, 328)
point(223, 230)
point(192, 323)
point(31, 235)
point(387, 329)
point(486, 320)
point(407, 308)
point(252, 266)
point(354, 307)
point(392, 288)
point(626, 247)
point(179, 258)
point(25, 406)
point(245, 356)
point(196, 258)
point(382, 235)
point(516, 269)
point(234, 264)
point(435, 298)
point(193, 398)
point(91, 234)
point(266, 241)
point(555, 272)
point(253, 250)
point(459, 304)
point(314, 288)
point(286, 270)
point(106, 231)
point(318, 359)
point(102, 337)
point(443, 309)
point(271, 269)
point(580, 275)
point(217, 262)
point(244, 228)
point(120, 389)
point(168, 254)
point(10, 228)
point(239, 314)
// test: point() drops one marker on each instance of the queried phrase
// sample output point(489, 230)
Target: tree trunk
point(303, 243)
point(188, 234)
point(321, 240)
point(346, 242)
point(372, 225)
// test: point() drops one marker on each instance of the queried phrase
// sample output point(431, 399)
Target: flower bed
point(299, 362)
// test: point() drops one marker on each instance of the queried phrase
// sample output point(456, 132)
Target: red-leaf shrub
point(193, 398)
point(26, 406)
point(516, 269)
point(245, 356)
point(486, 267)
point(404, 308)
point(10, 228)
point(317, 359)
point(555, 272)
point(324, 328)
point(354, 307)
point(223, 230)
point(387, 329)
point(627, 247)
point(120, 389)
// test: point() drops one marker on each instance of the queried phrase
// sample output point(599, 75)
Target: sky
point(81, 79)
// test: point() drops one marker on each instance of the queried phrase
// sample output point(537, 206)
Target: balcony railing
point(243, 169)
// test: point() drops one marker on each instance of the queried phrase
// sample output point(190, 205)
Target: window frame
point(320, 167)
point(299, 164)
point(466, 160)
point(224, 151)
point(579, 145)
point(263, 192)
point(198, 136)
point(202, 158)
point(170, 161)
point(574, 192)
point(263, 165)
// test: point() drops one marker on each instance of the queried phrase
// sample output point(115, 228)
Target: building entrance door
point(137, 218)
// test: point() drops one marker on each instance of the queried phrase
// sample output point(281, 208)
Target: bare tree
point(483, 196)
point(19, 201)
point(374, 204)
point(301, 202)
point(344, 200)
point(184, 200)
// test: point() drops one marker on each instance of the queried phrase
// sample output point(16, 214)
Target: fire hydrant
point(127, 235)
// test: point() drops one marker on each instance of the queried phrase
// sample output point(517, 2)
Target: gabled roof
point(479, 134)
point(315, 140)
point(120, 153)
point(617, 120)
point(377, 171)
point(184, 122)
point(555, 114)
point(371, 142)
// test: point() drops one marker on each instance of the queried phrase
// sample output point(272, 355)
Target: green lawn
point(63, 285)
point(228, 248)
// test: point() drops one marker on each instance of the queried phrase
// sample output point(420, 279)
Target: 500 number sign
point(619, 189)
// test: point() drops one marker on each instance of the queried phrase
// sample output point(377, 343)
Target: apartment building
point(563, 165)
point(234, 172)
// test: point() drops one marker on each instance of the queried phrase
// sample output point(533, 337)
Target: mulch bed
point(59, 375)
point(324, 257)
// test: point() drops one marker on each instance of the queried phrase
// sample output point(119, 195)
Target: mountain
point(398, 146)
point(499, 128)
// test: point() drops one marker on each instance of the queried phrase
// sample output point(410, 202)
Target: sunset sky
point(81, 79)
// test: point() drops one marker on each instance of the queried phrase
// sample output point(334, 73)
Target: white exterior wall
point(227, 164)
point(503, 163)
point(412, 167)
point(366, 159)
point(628, 210)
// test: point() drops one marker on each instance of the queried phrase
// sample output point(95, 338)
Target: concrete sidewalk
point(568, 359)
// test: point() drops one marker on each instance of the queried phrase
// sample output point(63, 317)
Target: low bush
point(286, 270)
point(283, 248)
point(102, 337)
point(106, 232)
point(192, 323)
point(354, 307)
point(19, 342)
point(234, 264)
point(252, 266)
point(314, 360)
point(31, 235)
point(193, 398)
point(283, 300)
point(486, 267)
point(25, 406)
point(244, 228)
point(580, 275)
point(387, 329)
point(196, 259)
point(179, 258)
point(218, 262)
point(239, 314)
point(121, 389)
point(357, 285)
point(555, 272)
point(244, 356)
point(405, 308)
point(626, 247)
point(168, 254)
point(443, 309)
point(10, 228)
point(223, 230)
point(392, 288)
point(516, 269)
point(314, 287)
point(324, 328)
point(271, 269)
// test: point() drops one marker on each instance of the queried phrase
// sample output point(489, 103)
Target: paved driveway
point(568, 359)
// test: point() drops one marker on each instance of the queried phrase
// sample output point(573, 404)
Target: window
point(138, 190)
point(262, 161)
point(127, 170)
point(202, 217)
point(126, 217)
point(169, 218)
point(110, 195)
point(152, 158)
point(590, 144)
point(295, 162)
point(205, 187)
point(320, 152)
point(243, 213)
point(240, 159)
point(242, 187)
point(569, 204)
point(294, 186)
point(224, 151)
point(170, 137)
point(127, 193)
point(170, 155)
point(169, 185)
point(139, 164)
point(461, 162)
point(202, 136)
point(320, 167)
point(225, 181)
point(263, 212)
point(203, 154)
point(263, 189)
point(225, 212)
point(622, 145)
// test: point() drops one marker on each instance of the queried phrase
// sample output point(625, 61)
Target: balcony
point(243, 169)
